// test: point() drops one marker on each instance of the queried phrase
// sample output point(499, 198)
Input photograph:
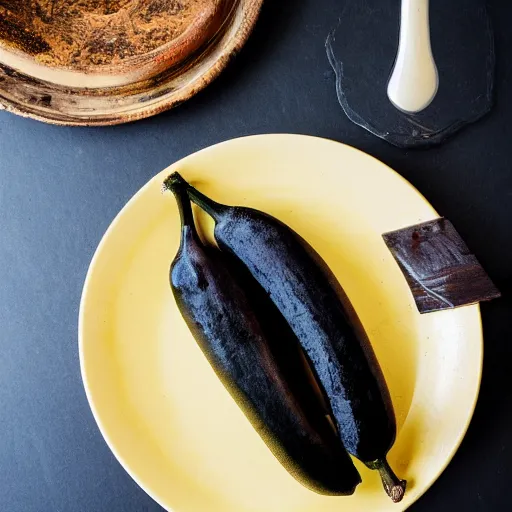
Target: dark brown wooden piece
point(441, 271)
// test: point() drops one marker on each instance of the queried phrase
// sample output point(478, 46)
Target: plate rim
point(140, 192)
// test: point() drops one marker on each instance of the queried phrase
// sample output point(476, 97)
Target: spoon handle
point(414, 80)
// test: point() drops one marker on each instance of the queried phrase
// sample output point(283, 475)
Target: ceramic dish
point(110, 62)
point(158, 403)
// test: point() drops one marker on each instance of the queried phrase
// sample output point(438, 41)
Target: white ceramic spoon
point(414, 81)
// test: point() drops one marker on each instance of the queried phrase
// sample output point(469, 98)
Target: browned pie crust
point(120, 86)
point(109, 36)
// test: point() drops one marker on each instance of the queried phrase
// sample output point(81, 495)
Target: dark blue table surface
point(61, 187)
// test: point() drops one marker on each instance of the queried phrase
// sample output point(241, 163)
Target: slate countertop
point(61, 187)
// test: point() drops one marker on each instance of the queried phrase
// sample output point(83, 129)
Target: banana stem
point(210, 206)
point(394, 487)
point(180, 193)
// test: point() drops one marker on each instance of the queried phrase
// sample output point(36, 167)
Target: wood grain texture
point(441, 271)
point(114, 92)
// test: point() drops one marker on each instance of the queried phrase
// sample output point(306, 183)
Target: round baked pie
point(98, 43)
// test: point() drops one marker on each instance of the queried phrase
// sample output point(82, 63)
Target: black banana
point(219, 315)
point(308, 295)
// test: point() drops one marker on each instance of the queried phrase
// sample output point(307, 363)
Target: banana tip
point(397, 492)
point(172, 181)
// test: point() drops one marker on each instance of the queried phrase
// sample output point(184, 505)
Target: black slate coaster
point(362, 50)
point(439, 268)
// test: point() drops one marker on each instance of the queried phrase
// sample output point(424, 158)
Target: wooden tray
point(102, 62)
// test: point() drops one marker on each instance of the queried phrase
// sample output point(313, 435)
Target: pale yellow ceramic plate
point(159, 405)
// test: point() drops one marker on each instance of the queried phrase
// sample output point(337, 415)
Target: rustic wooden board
point(98, 62)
